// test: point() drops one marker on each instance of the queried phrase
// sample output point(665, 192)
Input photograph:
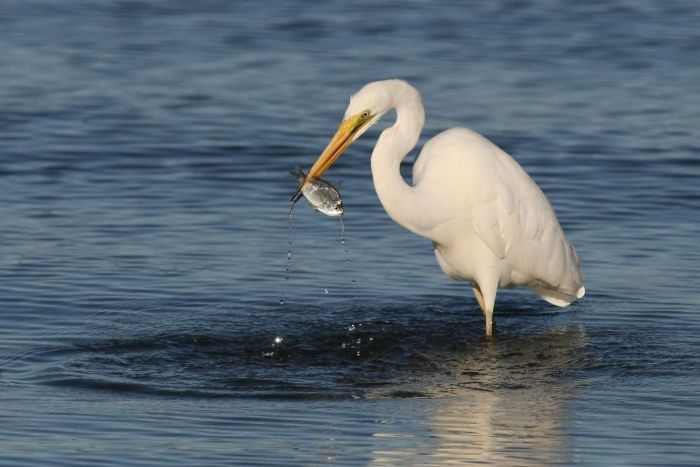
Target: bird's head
point(365, 109)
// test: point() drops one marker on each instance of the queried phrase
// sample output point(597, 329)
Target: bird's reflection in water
point(505, 406)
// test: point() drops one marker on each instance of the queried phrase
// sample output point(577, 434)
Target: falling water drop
point(289, 254)
point(342, 239)
point(289, 251)
point(347, 256)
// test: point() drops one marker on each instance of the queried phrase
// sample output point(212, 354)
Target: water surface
point(143, 254)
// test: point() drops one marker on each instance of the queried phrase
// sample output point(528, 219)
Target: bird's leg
point(490, 323)
point(479, 297)
point(486, 299)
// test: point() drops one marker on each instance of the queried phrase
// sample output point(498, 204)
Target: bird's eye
point(365, 114)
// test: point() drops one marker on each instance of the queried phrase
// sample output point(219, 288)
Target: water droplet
point(288, 268)
point(347, 255)
point(351, 328)
point(291, 209)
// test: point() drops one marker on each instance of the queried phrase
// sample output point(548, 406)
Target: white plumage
point(488, 220)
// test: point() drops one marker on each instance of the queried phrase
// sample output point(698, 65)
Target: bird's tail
point(558, 297)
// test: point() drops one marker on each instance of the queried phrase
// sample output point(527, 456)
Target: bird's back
point(500, 204)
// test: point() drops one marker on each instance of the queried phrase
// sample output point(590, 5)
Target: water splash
point(276, 347)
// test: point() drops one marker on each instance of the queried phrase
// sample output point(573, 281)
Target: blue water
point(144, 150)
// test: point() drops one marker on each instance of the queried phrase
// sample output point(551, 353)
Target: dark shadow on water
point(422, 349)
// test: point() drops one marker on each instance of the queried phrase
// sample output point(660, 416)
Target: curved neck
point(397, 197)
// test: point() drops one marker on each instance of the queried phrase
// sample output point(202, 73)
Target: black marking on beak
point(297, 194)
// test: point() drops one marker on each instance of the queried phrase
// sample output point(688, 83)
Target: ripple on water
point(419, 350)
point(142, 251)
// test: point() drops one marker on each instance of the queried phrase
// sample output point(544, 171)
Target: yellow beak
point(339, 143)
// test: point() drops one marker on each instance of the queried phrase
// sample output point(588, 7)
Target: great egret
point(489, 222)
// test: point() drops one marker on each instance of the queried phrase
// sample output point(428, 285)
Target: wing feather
point(507, 211)
point(513, 217)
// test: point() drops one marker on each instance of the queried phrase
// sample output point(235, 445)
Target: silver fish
point(323, 196)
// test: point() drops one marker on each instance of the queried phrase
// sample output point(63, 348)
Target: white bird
point(489, 222)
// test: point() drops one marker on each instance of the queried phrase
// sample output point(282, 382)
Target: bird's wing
point(489, 218)
point(513, 217)
point(462, 170)
point(494, 208)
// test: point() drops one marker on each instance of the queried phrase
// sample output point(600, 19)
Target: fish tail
point(298, 174)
